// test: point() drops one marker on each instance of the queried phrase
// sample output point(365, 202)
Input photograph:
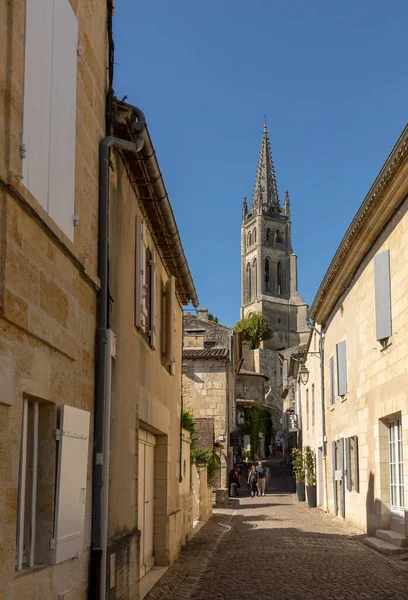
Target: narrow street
point(275, 548)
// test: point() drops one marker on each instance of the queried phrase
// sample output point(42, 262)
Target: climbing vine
point(256, 421)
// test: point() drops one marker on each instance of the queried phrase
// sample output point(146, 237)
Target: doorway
point(320, 500)
point(396, 470)
point(147, 443)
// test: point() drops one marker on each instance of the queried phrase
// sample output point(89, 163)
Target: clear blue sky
point(332, 78)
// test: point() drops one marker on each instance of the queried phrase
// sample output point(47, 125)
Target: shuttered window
point(170, 338)
point(349, 480)
point(331, 375)
point(153, 299)
point(352, 466)
point(382, 295)
point(356, 465)
point(341, 368)
point(140, 275)
point(49, 116)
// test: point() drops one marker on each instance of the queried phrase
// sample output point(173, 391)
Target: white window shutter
point(140, 274)
point(37, 98)
point(61, 192)
point(153, 294)
point(71, 483)
point(171, 306)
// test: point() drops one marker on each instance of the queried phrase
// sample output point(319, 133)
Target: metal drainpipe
point(103, 370)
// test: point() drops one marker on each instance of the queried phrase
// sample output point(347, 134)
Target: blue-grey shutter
point(356, 466)
point(335, 506)
point(382, 295)
point(342, 482)
point(348, 464)
point(341, 368)
point(331, 372)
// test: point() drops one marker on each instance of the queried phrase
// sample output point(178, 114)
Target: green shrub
point(310, 466)
point(211, 459)
point(298, 464)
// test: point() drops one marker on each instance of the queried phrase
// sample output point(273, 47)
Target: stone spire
point(286, 206)
point(244, 207)
point(265, 196)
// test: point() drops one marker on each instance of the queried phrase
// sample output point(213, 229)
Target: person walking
point(253, 480)
point(261, 479)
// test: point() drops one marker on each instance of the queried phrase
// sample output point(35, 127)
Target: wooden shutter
point(348, 464)
point(171, 305)
point(382, 295)
point(331, 375)
point(341, 368)
point(37, 98)
point(153, 299)
point(334, 464)
point(61, 192)
point(140, 274)
point(356, 466)
point(342, 481)
point(71, 483)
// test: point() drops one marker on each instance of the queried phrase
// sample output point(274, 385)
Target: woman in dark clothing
point(253, 480)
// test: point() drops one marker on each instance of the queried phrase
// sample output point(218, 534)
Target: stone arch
point(268, 235)
point(254, 278)
point(278, 236)
point(248, 283)
point(249, 239)
point(254, 235)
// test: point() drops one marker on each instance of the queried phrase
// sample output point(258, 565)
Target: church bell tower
point(268, 264)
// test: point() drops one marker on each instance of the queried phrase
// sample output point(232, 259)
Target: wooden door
point(147, 443)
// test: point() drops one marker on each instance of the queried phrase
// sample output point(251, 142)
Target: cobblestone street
point(276, 548)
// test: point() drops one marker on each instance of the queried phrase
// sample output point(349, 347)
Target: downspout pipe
point(100, 480)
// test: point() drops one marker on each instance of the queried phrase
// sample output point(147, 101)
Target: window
point(382, 296)
point(279, 278)
point(254, 235)
point(248, 274)
point(266, 274)
point(307, 408)
point(278, 237)
point(53, 464)
point(254, 279)
point(49, 115)
point(268, 235)
point(145, 284)
point(249, 239)
point(313, 405)
point(168, 319)
point(341, 368)
point(331, 380)
point(352, 464)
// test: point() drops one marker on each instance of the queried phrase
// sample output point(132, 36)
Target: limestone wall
point(48, 288)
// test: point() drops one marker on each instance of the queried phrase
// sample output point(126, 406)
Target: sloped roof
point(194, 353)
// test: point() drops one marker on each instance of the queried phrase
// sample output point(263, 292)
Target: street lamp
point(304, 374)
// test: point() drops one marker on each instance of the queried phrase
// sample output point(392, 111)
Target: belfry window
point(254, 235)
point(248, 274)
point(254, 279)
point(279, 278)
point(268, 235)
point(249, 239)
point(279, 238)
point(266, 274)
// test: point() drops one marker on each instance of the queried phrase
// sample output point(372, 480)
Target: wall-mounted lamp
point(304, 374)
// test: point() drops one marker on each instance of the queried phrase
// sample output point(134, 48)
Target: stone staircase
point(388, 542)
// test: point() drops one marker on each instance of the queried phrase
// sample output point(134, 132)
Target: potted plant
point(299, 469)
point(310, 470)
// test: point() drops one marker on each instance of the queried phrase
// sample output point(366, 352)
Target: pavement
point(274, 547)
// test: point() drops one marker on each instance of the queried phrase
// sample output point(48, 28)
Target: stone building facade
point(209, 380)
point(48, 285)
point(362, 308)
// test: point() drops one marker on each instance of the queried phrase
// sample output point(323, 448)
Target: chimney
point(194, 338)
point(202, 314)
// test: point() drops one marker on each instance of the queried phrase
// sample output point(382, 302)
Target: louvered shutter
point(61, 190)
point(341, 368)
point(140, 274)
point(382, 295)
point(342, 481)
point(70, 494)
point(348, 464)
point(171, 305)
point(37, 98)
point(153, 299)
point(334, 464)
point(356, 466)
point(331, 374)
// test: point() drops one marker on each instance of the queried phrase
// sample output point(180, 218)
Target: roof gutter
point(160, 193)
